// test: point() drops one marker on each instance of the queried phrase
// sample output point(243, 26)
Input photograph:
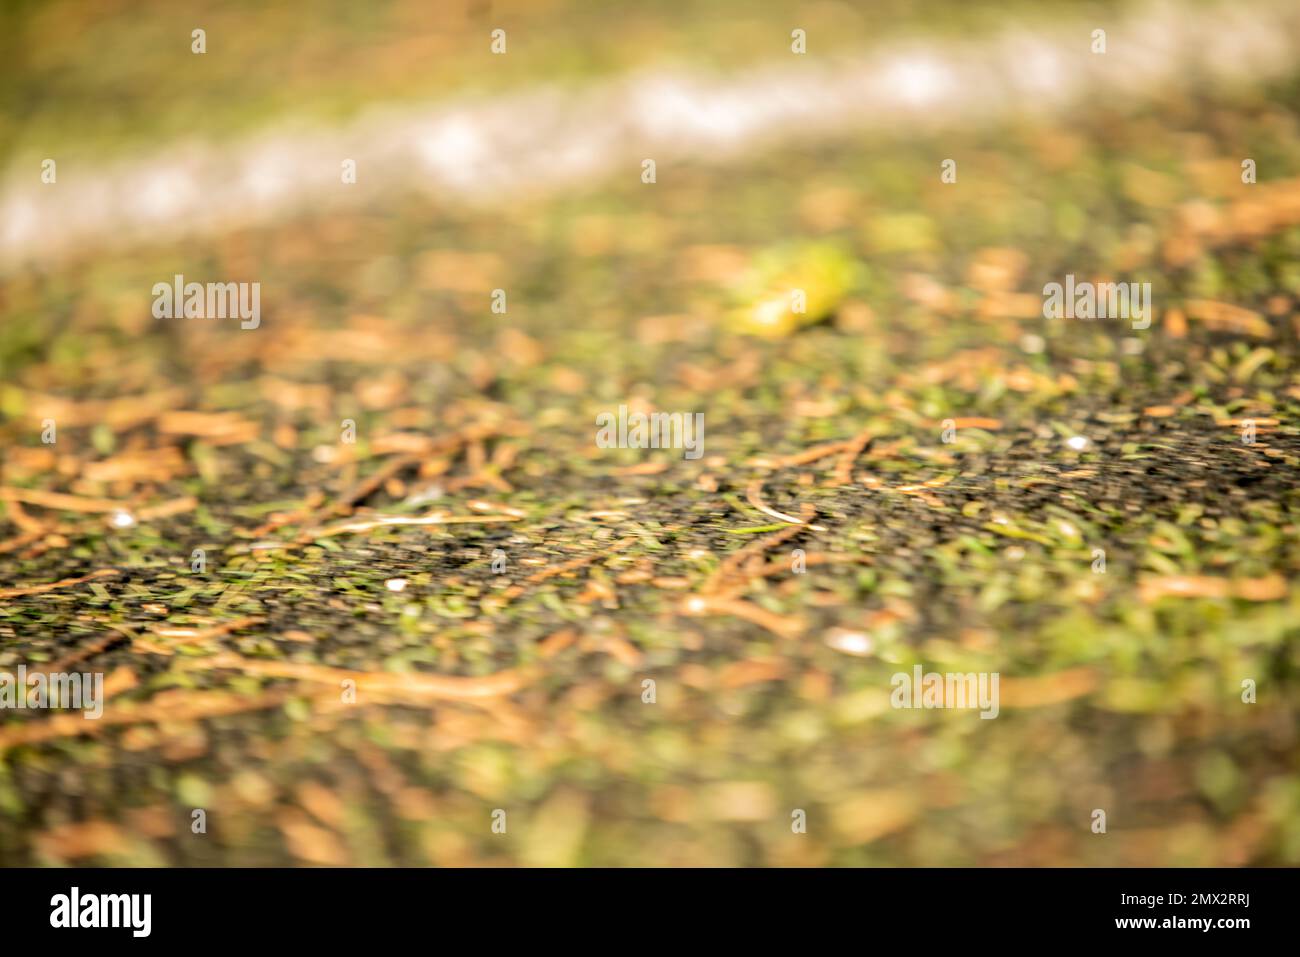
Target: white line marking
point(493, 149)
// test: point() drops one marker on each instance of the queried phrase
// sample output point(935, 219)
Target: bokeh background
point(391, 639)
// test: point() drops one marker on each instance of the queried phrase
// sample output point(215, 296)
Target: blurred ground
point(523, 690)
